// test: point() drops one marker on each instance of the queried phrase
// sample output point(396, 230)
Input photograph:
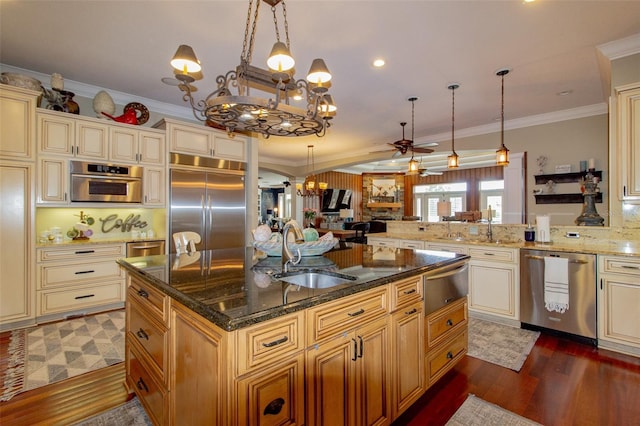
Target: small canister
point(530, 234)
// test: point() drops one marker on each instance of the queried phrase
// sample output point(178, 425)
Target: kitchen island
point(214, 338)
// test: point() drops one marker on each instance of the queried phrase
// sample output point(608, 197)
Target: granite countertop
point(115, 240)
point(582, 245)
point(235, 288)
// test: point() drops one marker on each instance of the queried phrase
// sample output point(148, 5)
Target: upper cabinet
point(627, 120)
point(17, 115)
point(191, 139)
point(91, 139)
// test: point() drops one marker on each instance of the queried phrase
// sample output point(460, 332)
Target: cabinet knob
point(143, 293)
point(142, 385)
point(274, 407)
point(449, 355)
point(141, 334)
point(449, 322)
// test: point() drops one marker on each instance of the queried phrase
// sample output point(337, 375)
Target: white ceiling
point(551, 47)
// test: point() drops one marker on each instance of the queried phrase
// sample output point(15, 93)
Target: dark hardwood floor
point(561, 383)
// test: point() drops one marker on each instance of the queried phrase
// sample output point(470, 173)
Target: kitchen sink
point(315, 279)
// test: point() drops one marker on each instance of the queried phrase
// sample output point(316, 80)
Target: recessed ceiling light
point(564, 92)
point(378, 63)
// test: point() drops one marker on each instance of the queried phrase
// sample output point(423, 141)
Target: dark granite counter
point(235, 288)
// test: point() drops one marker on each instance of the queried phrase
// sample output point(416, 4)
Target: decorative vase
point(70, 105)
point(103, 102)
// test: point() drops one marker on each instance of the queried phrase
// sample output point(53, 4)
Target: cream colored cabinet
point(198, 140)
point(17, 115)
point(451, 248)
point(17, 289)
point(60, 134)
point(348, 359)
point(53, 181)
point(131, 145)
point(382, 242)
point(411, 244)
point(154, 186)
point(619, 303)
point(494, 282)
point(76, 278)
point(628, 141)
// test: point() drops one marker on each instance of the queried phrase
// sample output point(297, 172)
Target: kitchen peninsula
point(214, 338)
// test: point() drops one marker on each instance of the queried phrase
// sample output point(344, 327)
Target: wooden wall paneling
point(339, 180)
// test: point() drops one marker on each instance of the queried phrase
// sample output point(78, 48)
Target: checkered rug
point(52, 352)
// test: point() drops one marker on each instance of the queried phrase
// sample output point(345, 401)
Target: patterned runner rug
point(475, 411)
point(49, 353)
point(500, 344)
point(128, 414)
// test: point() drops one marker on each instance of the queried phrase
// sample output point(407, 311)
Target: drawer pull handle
point(355, 350)
point(142, 385)
point(356, 313)
point(141, 334)
point(449, 355)
point(449, 300)
point(84, 272)
point(630, 267)
point(143, 293)
point(489, 254)
point(84, 297)
point(449, 322)
point(413, 290)
point(411, 312)
point(274, 407)
point(275, 342)
point(85, 251)
point(361, 345)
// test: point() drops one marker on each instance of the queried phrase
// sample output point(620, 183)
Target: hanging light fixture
point(267, 116)
point(311, 187)
point(453, 159)
point(502, 154)
point(413, 163)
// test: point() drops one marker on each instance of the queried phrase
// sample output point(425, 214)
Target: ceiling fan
point(423, 171)
point(404, 145)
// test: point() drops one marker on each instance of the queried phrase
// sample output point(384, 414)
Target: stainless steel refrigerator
point(207, 196)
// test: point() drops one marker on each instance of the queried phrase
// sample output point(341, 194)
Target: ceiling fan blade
point(422, 150)
point(425, 172)
point(427, 145)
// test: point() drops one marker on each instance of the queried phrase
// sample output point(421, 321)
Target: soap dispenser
point(529, 234)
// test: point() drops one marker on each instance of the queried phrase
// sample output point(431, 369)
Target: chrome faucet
point(489, 230)
point(287, 256)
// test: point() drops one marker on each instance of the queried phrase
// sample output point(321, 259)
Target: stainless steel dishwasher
point(445, 285)
point(580, 318)
point(145, 248)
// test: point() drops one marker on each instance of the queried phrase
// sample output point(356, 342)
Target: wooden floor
point(561, 383)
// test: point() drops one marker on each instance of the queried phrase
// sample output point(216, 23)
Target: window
point(491, 194)
point(426, 199)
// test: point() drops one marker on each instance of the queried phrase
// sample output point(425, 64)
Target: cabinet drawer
point(620, 265)
point(411, 244)
point(488, 253)
point(444, 357)
point(269, 342)
point(80, 252)
point(81, 297)
point(446, 322)
point(152, 300)
point(153, 396)
point(64, 275)
point(406, 292)
point(447, 248)
point(150, 335)
point(336, 317)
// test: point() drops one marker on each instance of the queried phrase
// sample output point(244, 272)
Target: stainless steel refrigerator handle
point(449, 273)
point(534, 257)
point(209, 212)
point(204, 217)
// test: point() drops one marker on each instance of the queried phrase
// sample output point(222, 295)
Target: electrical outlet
point(421, 228)
point(473, 230)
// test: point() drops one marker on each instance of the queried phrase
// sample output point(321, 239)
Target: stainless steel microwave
point(105, 183)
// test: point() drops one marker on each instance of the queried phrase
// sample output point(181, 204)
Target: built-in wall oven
point(105, 183)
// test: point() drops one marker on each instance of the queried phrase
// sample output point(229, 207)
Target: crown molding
point(620, 48)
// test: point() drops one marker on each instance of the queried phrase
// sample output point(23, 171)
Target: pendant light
point(502, 154)
point(453, 159)
point(413, 163)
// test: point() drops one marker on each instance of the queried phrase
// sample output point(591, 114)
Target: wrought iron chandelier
point(311, 187)
point(267, 116)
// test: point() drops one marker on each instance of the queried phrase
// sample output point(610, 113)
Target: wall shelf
point(564, 198)
point(384, 205)
point(565, 177)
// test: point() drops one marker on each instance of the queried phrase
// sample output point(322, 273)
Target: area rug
point(128, 414)
point(475, 411)
point(49, 353)
point(500, 344)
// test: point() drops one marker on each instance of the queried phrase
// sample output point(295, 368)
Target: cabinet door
point(492, 288)
point(17, 115)
point(124, 145)
point(151, 148)
point(407, 346)
point(52, 181)
point(192, 141)
point(92, 140)
point(230, 148)
point(16, 243)
point(198, 380)
point(619, 309)
point(56, 135)
point(629, 140)
point(330, 382)
point(373, 374)
point(154, 186)
point(274, 396)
